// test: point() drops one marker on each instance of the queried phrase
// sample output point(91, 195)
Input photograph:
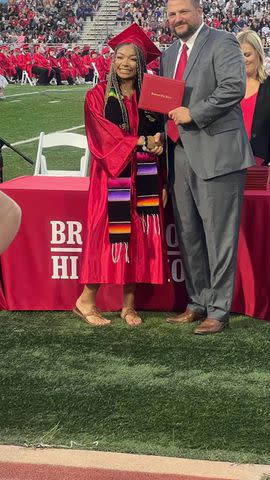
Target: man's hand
point(155, 143)
point(180, 116)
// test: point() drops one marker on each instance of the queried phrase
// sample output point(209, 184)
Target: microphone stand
point(4, 142)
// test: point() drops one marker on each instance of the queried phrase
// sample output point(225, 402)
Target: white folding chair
point(95, 77)
point(26, 78)
point(62, 139)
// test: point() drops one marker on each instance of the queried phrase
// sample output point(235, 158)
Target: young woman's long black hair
point(115, 82)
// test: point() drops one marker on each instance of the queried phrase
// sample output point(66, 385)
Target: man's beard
point(188, 33)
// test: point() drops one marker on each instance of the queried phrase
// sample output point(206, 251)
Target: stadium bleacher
point(58, 24)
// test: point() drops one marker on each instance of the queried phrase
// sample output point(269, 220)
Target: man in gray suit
point(207, 164)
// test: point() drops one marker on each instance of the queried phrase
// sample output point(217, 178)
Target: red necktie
point(172, 129)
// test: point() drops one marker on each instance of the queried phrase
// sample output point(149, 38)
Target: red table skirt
point(40, 269)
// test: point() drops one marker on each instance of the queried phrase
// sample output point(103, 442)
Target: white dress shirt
point(189, 43)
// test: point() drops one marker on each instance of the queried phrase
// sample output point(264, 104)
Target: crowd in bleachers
point(230, 15)
point(60, 21)
point(87, 8)
point(44, 21)
point(26, 26)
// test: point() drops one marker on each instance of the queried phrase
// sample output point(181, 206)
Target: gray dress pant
point(207, 217)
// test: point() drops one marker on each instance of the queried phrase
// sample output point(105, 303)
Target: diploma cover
point(161, 94)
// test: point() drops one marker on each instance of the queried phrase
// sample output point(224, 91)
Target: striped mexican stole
point(147, 190)
point(119, 189)
point(147, 198)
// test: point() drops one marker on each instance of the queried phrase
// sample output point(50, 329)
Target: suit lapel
point(172, 59)
point(199, 43)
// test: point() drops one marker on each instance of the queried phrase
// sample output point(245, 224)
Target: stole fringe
point(117, 249)
point(156, 224)
point(145, 219)
point(119, 246)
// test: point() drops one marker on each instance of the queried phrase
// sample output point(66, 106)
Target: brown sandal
point(93, 317)
point(131, 317)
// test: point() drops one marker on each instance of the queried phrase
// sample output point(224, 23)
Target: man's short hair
point(196, 3)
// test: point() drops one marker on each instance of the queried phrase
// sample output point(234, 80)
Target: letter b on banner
point(66, 232)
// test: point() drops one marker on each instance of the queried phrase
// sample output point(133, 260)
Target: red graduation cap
point(134, 34)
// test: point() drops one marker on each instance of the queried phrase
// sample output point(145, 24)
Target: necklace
point(126, 91)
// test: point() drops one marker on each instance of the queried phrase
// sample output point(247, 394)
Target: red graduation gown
point(111, 150)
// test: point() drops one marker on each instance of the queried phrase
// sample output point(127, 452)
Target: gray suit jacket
point(215, 142)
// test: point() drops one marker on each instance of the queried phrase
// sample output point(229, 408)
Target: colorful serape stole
point(147, 190)
point(119, 202)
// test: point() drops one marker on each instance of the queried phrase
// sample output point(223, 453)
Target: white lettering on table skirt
point(64, 262)
point(173, 251)
point(66, 240)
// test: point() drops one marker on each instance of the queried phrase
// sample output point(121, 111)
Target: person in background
point(41, 66)
point(124, 241)
point(10, 220)
point(6, 62)
point(256, 103)
point(3, 84)
point(103, 64)
point(54, 65)
point(25, 60)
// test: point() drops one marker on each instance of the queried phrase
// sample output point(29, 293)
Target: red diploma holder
point(161, 94)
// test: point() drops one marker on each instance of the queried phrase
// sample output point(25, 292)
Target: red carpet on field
point(21, 471)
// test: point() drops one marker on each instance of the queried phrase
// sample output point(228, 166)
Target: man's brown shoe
point(186, 317)
point(210, 325)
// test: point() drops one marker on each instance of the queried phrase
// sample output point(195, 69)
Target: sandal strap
point(95, 312)
point(129, 311)
point(130, 316)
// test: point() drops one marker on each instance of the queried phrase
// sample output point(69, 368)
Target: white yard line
point(37, 92)
point(29, 140)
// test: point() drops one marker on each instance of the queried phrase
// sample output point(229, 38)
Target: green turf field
point(157, 389)
point(29, 110)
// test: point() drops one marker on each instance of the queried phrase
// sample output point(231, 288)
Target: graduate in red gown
point(25, 60)
point(54, 65)
point(87, 62)
point(6, 62)
point(103, 64)
point(68, 72)
point(124, 241)
point(41, 66)
point(77, 63)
